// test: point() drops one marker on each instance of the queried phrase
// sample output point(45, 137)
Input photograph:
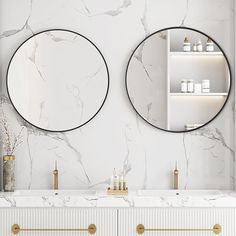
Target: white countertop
point(142, 198)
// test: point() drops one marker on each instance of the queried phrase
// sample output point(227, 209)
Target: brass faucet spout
point(176, 177)
point(55, 177)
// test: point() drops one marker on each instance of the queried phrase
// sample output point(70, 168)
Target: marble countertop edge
point(100, 200)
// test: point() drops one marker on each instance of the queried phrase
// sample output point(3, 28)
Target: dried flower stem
point(17, 141)
point(10, 140)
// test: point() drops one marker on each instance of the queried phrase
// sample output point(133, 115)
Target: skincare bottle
point(124, 183)
point(197, 88)
point(206, 86)
point(209, 45)
point(112, 181)
point(190, 86)
point(121, 181)
point(115, 180)
point(184, 86)
point(186, 45)
point(195, 47)
point(199, 46)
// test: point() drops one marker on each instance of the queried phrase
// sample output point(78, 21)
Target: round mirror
point(57, 80)
point(178, 79)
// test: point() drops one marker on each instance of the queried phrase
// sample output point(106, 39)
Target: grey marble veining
point(64, 86)
point(117, 137)
point(12, 32)
point(112, 12)
point(186, 14)
point(101, 199)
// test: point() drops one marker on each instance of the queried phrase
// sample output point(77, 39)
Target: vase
point(8, 173)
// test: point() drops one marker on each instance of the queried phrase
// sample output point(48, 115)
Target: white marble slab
point(101, 199)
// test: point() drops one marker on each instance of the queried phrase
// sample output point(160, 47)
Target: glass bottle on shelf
point(184, 86)
point(190, 86)
point(199, 46)
point(209, 45)
point(186, 45)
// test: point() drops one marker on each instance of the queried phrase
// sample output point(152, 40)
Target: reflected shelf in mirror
point(199, 94)
point(196, 54)
point(173, 87)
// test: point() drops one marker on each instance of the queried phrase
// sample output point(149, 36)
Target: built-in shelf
point(196, 53)
point(198, 94)
point(193, 108)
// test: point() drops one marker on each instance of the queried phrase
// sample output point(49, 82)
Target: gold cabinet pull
point(16, 229)
point(216, 229)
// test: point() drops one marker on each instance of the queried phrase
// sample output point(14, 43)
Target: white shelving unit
point(196, 53)
point(193, 108)
point(198, 94)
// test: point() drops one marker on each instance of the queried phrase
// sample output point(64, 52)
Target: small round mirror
point(178, 79)
point(57, 80)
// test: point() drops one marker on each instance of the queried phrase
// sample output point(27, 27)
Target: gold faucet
point(55, 177)
point(176, 177)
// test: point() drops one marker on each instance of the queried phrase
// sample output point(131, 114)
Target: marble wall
point(117, 137)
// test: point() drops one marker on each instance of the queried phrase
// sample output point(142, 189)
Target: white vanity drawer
point(177, 221)
point(47, 221)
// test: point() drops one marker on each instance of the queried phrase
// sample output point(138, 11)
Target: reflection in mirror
point(178, 79)
point(57, 80)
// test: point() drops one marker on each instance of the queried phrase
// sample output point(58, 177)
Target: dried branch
point(9, 139)
point(17, 140)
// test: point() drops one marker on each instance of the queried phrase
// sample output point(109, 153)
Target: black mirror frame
point(169, 28)
point(108, 80)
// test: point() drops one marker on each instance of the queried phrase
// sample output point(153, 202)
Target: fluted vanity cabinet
point(118, 221)
point(146, 212)
point(177, 221)
point(58, 221)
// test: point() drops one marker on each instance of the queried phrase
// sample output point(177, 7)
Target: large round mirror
point(57, 80)
point(178, 79)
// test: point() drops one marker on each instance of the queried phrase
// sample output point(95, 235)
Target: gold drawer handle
point(16, 229)
point(216, 229)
